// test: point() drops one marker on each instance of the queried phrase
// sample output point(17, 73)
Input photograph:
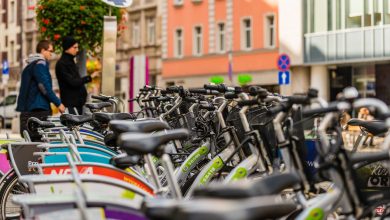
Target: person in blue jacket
point(36, 88)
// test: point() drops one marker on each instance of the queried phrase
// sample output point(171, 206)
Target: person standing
point(72, 90)
point(36, 88)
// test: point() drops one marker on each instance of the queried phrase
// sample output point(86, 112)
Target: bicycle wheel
point(10, 187)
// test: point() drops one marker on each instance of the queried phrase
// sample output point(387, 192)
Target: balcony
point(351, 45)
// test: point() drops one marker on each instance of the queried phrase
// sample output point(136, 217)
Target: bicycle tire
point(10, 186)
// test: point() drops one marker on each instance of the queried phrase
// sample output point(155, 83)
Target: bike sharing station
point(214, 152)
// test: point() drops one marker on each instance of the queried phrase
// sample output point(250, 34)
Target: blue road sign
point(284, 62)
point(5, 70)
point(284, 77)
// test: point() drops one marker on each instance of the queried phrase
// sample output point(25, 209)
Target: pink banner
point(4, 163)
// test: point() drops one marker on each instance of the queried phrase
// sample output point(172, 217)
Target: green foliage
point(82, 19)
point(244, 79)
point(217, 79)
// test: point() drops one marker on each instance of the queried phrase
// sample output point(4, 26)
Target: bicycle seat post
point(168, 166)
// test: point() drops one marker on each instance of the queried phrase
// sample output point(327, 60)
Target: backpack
point(24, 91)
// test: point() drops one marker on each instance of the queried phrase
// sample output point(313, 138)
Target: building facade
point(11, 41)
point(141, 37)
point(338, 43)
point(200, 39)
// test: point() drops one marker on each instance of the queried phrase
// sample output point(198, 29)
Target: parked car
point(8, 106)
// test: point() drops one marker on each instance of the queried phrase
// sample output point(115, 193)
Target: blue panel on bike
point(94, 159)
point(81, 149)
point(55, 159)
point(91, 143)
point(91, 133)
point(311, 155)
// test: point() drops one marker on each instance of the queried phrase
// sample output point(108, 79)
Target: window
point(270, 31)
point(136, 34)
point(197, 41)
point(12, 52)
point(151, 31)
point(170, 83)
point(221, 37)
point(355, 12)
point(29, 45)
point(178, 2)
point(178, 43)
point(12, 12)
point(9, 100)
point(246, 34)
point(386, 9)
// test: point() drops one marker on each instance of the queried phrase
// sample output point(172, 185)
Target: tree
point(82, 19)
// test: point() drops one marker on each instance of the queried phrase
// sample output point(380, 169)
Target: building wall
point(208, 14)
point(11, 40)
point(140, 10)
point(291, 30)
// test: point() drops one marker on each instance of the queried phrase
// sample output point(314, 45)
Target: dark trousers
point(24, 116)
point(72, 111)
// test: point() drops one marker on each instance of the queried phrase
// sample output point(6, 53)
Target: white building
point(338, 43)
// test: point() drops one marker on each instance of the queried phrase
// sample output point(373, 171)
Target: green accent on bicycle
point(127, 194)
point(240, 173)
point(215, 167)
point(316, 214)
point(7, 141)
point(155, 160)
point(199, 152)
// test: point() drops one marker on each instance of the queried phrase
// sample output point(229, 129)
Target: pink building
point(199, 36)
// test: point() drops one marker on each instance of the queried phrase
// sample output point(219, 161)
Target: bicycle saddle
point(267, 207)
point(146, 126)
point(33, 124)
point(123, 161)
point(269, 185)
point(97, 106)
point(161, 209)
point(104, 117)
point(69, 120)
point(143, 143)
point(373, 127)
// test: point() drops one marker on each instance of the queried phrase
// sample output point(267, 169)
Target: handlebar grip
point(198, 91)
point(248, 102)
point(212, 87)
point(163, 99)
point(277, 108)
point(298, 99)
point(311, 112)
point(190, 99)
point(207, 107)
point(312, 93)
point(101, 98)
point(132, 100)
point(231, 96)
point(173, 89)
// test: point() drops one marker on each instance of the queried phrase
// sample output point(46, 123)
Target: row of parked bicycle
point(216, 152)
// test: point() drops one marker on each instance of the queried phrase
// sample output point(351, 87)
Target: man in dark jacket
point(72, 89)
point(36, 88)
